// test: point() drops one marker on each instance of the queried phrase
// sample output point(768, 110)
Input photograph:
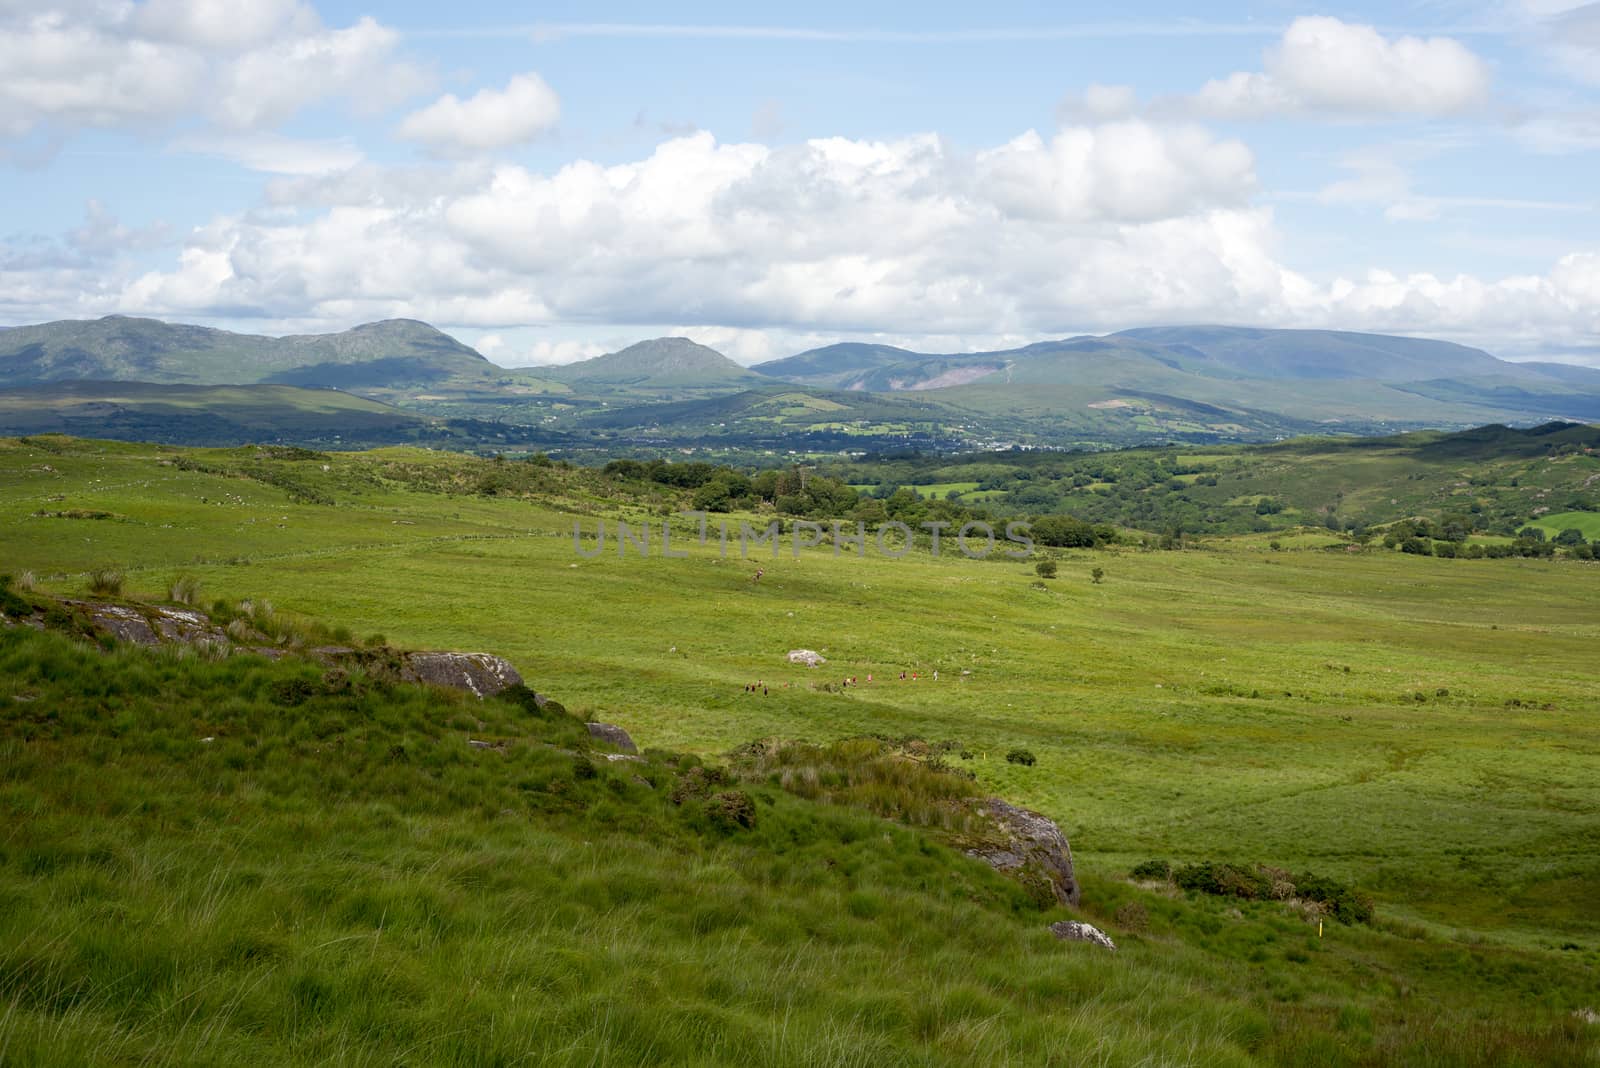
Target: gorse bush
point(1151, 871)
point(1261, 883)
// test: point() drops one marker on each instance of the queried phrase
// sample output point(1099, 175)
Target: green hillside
point(201, 414)
point(1492, 479)
point(339, 874)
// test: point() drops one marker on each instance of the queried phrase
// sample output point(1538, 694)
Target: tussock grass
point(106, 581)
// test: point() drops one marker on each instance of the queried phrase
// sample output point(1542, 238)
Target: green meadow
point(1587, 523)
point(1424, 729)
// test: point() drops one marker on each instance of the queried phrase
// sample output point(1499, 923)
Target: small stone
point(1077, 931)
point(612, 735)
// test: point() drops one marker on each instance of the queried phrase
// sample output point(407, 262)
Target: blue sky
point(555, 181)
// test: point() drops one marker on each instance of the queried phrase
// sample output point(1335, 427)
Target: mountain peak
point(661, 361)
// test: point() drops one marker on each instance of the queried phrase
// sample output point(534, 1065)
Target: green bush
point(1224, 880)
point(1045, 569)
point(1020, 756)
point(1151, 871)
point(1342, 902)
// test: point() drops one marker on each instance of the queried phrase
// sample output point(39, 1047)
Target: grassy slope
point(1194, 705)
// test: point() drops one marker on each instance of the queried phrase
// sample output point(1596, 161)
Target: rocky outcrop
point(612, 735)
point(151, 624)
point(479, 673)
point(1077, 931)
point(1029, 846)
point(808, 657)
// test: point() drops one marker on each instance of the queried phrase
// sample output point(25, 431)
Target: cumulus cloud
point(1322, 64)
point(107, 64)
point(1098, 227)
point(1095, 227)
point(490, 119)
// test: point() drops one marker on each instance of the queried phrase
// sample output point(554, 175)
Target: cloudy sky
point(549, 183)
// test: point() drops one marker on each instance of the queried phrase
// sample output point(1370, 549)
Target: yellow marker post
point(1319, 928)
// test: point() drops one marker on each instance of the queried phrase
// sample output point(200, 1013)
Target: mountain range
point(1154, 383)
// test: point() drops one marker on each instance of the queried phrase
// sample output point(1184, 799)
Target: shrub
point(731, 810)
point(1151, 871)
point(1096, 574)
point(106, 581)
point(1020, 756)
point(1342, 902)
point(697, 783)
point(1225, 880)
point(1133, 916)
point(1045, 569)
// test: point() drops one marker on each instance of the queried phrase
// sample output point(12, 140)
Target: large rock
point(1023, 843)
point(123, 624)
point(808, 657)
point(612, 735)
point(1077, 931)
point(477, 673)
point(152, 624)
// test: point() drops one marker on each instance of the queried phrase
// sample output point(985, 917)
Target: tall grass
point(106, 581)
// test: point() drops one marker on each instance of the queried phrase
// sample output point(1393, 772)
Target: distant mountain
point(835, 365)
point(1316, 354)
point(391, 354)
point(661, 363)
point(1566, 372)
point(1212, 351)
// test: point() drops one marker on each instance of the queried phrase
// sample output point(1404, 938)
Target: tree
point(1046, 569)
point(1531, 533)
point(1096, 574)
point(1570, 536)
point(1063, 531)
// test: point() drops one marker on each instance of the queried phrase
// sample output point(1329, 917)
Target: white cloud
point(490, 119)
point(114, 64)
point(1324, 65)
point(1098, 227)
point(274, 153)
point(1098, 103)
point(1574, 41)
point(268, 84)
point(223, 24)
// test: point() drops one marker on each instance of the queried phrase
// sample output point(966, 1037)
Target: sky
point(552, 181)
